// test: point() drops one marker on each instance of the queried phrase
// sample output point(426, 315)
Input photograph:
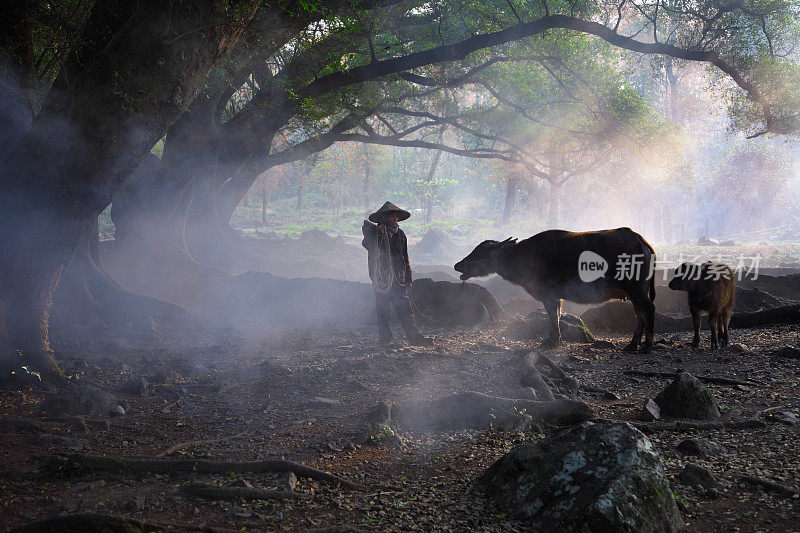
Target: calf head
point(685, 276)
point(482, 260)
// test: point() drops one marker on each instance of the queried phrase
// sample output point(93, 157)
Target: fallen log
point(787, 314)
point(217, 492)
point(81, 523)
point(769, 485)
point(73, 462)
point(609, 317)
point(476, 410)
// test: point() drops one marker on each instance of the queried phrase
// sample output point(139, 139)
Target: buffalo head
point(684, 275)
point(481, 261)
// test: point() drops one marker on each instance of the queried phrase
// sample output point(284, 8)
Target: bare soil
point(304, 396)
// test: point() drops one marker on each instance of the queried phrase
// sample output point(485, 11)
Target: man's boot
point(414, 337)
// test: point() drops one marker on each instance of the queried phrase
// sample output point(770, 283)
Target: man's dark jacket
point(398, 248)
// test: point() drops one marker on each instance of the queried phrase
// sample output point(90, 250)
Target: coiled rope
point(382, 271)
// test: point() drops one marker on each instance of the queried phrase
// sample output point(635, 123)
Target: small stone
point(650, 410)
point(73, 444)
point(137, 385)
point(239, 512)
point(697, 476)
point(609, 395)
point(320, 402)
point(135, 504)
point(784, 417)
point(603, 344)
point(524, 393)
point(787, 352)
point(289, 481)
point(700, 447)
point(25, 378)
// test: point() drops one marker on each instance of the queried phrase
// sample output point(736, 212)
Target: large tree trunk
point(672, 88)
point(512, 183)
point(555, 192)
point(430, 180)
point(100, 118)
point(263, 202)
point(366, 183)
point(89, 304)
point(167, 214)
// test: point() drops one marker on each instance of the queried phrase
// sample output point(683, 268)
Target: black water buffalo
point(587, 267)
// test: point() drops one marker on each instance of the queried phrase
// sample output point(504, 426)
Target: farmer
point(390, 271)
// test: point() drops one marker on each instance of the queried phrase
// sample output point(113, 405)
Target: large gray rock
point(435, 244)
point(82, 400)
point(700, 447)
point(687, 397)
point(697, 476)
point(537, 324)
point(598, 476)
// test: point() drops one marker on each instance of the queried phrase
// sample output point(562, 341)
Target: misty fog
point(400, 265)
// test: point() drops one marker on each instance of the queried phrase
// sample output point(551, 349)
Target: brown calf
point(711, 289)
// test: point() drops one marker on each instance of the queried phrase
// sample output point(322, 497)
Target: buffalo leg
point(712, 325)
point(645, 315)
point(553, 308)
point(637, 333)
point(696, 322)
point(647, 310)
point(726, 322)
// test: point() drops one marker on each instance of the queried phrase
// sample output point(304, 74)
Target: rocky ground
point(305, 396)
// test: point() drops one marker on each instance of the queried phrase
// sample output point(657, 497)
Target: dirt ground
point(304, 395)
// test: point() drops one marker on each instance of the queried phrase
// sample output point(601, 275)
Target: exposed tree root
point(687, 425)
point(705, 379)
point(607, 394)
point(531, 376)
point(18, 425)
point(783, 490)
point(169, 406)
point(337, 529)
point(97, 523)
point(216, 492)
point(163, 466)
point(535, 363)
point(192, 443)
point(80, 423)
point(75, 421)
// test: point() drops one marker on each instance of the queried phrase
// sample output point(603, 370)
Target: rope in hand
point(382, 271)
